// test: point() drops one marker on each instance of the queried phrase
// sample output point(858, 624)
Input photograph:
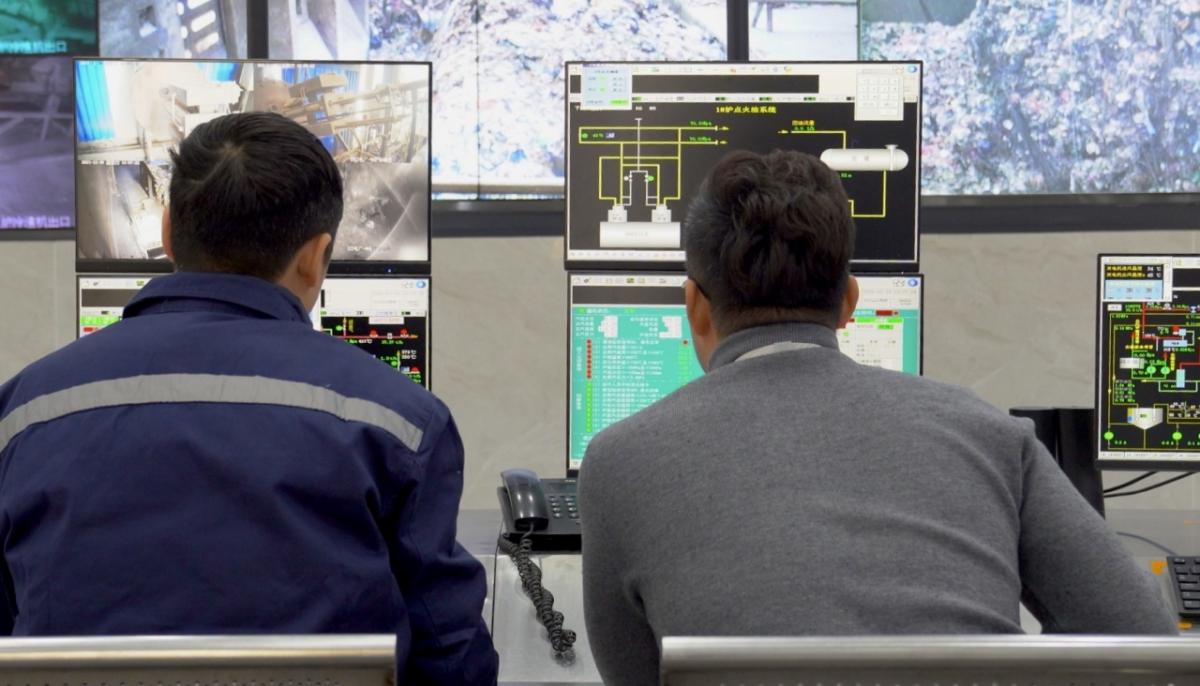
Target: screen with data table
point(885, 330)
point(1148, 366)
point(630, 346)
point(385, 317)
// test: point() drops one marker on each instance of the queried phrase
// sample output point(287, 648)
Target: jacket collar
point(742, 342)
point(212, 291)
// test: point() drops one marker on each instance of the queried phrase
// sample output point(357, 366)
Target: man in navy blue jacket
point(211, 464)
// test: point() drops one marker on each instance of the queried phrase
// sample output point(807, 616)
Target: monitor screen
point(630, 346)
point(373, 118)
point(36, 106)
point(386, 317)
point(201, 29)
point(885, 330)
point(102, 299)
point(1148, 366)
point(48, 27)
point(642, 136)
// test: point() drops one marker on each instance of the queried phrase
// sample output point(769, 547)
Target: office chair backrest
point(327, 660)
point(932, 661)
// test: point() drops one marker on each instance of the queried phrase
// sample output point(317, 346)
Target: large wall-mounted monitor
point(373, 118)
point(642, 136)
point(1148, 362)
point(48, 27)
point(199, 29)
point(36, 161)
point(385, 317)
point(886, 329)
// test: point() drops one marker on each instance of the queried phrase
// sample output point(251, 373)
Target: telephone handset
point(544, 510)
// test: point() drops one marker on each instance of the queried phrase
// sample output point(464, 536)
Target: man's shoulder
point(294, 355)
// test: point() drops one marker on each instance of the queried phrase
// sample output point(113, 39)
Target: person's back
point(211, 464)
point(792, 491)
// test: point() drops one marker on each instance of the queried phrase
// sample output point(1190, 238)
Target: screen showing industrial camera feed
point(1030, 96)
point(200, 29)
point(641, 137)
point(373, 119)
point(36, 190)
point(48, 27)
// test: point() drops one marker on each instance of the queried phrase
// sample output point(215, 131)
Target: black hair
point(247, 191)
point(769, 238)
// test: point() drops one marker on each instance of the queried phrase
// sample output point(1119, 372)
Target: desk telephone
point(544, 510)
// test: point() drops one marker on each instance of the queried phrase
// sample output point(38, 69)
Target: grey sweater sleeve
point(1076, 575)
point(624, 646)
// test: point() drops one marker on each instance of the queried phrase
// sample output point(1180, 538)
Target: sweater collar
point(742, 342)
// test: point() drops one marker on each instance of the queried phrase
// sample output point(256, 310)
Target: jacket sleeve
point(442, 584)
point(1076, 575)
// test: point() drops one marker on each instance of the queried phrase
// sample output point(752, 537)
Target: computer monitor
point(36, 111)
point(101, 299)
point(642, 136)
point(386, 317)
point(373, 118)
point(885, 330)
point(48, 27)
point(1148, 362)
point(630, 346)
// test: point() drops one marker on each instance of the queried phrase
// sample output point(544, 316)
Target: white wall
point(1008, 315)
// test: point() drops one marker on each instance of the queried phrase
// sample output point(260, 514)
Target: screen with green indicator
point(1148, 367)
point(630, 346)
point(101, 300)
point(885, 330)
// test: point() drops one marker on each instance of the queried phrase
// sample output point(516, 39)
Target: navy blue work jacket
point(211, 465)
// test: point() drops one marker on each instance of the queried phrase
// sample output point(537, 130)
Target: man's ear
point(849, 302)
point(699, 310)
point(166, 234)
point(311, 260)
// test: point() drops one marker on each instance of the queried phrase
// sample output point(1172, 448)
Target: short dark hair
point(247, 191)
point(769, 238)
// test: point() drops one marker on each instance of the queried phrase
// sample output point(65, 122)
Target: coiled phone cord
point(561, 639)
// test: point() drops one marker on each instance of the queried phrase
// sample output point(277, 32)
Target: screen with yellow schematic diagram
point(1148, 366)
point(642, 136)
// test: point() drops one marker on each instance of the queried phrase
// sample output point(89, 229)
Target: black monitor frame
point(347, 267)
point(899, 265)
point(1098, 381)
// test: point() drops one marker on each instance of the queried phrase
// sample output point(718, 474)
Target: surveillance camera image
point(48, 27)
point(35, 143)
point(201, 29)
point(373, 119)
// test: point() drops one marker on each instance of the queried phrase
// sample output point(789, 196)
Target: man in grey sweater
point(792, 491)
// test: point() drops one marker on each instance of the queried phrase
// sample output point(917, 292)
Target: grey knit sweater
point(800, 493)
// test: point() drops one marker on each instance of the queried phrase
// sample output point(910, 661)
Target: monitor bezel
point(428, 385)
point(1119, 464)
point(863, 266)
point(347, 267)
point(920, 312)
